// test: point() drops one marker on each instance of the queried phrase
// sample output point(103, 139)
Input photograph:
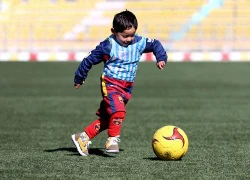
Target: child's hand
point(161, 64)
point(77, 85)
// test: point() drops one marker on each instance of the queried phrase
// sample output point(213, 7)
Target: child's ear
point(112, 30)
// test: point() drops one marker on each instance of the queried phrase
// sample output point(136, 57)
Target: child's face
point(125, 37)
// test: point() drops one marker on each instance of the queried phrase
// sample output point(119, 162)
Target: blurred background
point(192, 30)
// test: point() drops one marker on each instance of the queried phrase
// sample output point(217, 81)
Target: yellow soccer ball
point(170, 143)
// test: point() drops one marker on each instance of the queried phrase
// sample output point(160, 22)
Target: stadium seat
point(33, 24)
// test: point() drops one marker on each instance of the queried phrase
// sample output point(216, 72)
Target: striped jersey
point(120, 62)
point(123, 61)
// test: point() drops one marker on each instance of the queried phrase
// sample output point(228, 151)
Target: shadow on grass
point(92, 151)
point(158, 159)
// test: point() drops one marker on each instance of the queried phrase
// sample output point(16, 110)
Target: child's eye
point(126, 36)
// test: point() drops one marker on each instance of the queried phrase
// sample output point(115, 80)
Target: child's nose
point(128, 39)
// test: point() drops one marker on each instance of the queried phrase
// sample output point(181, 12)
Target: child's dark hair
point(124, 20)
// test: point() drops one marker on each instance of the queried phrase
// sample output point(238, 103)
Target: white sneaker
point(112, 144)
point(82, 142)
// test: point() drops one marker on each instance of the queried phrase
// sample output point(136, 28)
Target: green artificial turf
point(40, 109)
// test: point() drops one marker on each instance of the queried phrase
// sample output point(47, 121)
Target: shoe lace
point(84, 138)
point(88, 143)
point(116, 139)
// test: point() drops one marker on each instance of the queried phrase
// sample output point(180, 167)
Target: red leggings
point(113, 124)
point(116, 93)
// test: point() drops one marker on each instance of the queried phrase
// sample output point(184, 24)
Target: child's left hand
point(161, 64)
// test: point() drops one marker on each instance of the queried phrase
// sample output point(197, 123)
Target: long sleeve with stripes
point(119, 62)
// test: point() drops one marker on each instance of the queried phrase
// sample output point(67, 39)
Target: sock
point(96, 127)
point(115, 123)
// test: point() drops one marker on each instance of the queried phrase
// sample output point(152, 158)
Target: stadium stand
point(78, 25)
point(225, 28)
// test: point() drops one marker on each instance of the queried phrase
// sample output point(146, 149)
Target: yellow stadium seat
point(45, 24)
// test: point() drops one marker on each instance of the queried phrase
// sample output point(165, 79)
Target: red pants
point(116, 94)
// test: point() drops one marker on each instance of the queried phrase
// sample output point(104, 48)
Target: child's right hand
point(77, 85)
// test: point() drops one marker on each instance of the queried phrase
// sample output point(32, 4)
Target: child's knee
point(115, 123)
point(118, 117)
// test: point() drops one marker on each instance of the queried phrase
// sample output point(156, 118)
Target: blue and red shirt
point(119, 62)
